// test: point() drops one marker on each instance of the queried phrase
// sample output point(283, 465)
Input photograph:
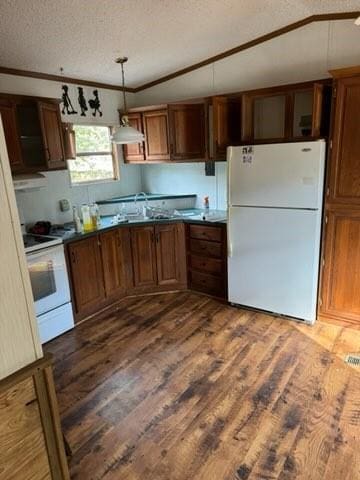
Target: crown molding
point(62, 79)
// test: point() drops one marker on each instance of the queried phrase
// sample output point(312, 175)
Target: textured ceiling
point(159, 36)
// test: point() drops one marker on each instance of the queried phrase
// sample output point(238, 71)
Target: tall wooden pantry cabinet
point(340, 290)
point(31, 443)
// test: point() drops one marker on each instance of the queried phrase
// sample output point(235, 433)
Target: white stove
point(50, 284)
point(33, 243)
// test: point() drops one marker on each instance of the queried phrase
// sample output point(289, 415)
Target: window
point(96, 158)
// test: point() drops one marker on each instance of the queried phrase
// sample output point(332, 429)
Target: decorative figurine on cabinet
point(67, 105)
point(82, 102)
point(95, 104)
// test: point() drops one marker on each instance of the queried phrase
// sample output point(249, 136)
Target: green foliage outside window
point(94, 160)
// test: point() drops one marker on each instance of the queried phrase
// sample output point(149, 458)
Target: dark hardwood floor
point(179, 386)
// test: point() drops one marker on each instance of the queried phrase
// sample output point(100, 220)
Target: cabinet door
point(226, 125)
point(8, 116)
point(187, 132)
point(134, 152)
point(341, 280)
point(170, 254)
point(50, 122)
point(345, 164)
point(113, 262)
point(86, 275)
point(156, 135)
point(144, 256)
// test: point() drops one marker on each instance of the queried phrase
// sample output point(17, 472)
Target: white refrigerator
point(275, 195)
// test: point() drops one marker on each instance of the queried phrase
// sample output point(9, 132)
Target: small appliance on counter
point(50, 284)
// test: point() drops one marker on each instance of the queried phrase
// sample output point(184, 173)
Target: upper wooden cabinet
point(293, 112)
point(8, 116)
point(50, 122)
point(156, 135)
point(134, 152)
point(187, 131)
point(173, 133)
point(226, 125)
point(345, 157)
point(33, 133)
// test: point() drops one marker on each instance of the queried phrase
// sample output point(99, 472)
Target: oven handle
point(45, 251)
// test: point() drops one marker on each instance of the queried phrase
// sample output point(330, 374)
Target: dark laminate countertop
point(141, 198)
point(214, 217)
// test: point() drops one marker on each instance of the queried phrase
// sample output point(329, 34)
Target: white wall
point(43, 204)
point(183, 178)
point(304, 54)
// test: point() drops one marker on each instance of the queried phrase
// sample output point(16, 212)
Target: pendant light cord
point(123, 86)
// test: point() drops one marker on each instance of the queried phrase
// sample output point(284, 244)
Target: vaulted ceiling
point(159, 36)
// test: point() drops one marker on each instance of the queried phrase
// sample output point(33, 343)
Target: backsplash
point(43, 204)
point(182, 178)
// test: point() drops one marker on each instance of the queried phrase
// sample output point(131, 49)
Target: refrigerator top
point(281, 175)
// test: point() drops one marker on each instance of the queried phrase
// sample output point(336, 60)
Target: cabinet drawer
point(207, 265)
point(205, 247)
point(205, 232)
point(207, 283)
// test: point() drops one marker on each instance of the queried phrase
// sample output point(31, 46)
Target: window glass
point(94, 155)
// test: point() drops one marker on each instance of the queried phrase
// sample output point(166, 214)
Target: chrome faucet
point(146, 202)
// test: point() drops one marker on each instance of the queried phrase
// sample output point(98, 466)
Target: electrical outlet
point(64, 205)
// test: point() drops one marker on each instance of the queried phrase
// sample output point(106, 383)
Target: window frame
point(113, 151)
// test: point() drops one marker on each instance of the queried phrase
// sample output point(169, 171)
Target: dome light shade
point(125, 134)
point(357, 21)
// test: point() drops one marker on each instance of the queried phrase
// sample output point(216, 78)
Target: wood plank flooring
point(179, 386)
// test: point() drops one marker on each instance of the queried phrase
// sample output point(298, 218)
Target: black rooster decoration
point(95, 104)
point(82, 102)
point(67, 105)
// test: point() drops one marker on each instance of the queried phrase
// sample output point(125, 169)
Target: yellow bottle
point(87, 223)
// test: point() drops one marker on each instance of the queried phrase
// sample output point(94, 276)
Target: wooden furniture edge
point(345, 72)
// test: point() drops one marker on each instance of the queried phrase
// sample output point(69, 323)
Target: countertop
point(141, 198)
point(193, 215)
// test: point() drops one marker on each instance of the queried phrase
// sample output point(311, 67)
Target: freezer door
point(274, 260)
point(286, 175)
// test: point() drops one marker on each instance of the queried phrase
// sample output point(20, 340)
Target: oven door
point(49, 279)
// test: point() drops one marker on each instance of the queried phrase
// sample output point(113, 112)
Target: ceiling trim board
point(62, 79)
point(250, 44)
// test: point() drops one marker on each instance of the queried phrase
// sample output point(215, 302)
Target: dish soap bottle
point(77, 221)
point(206, 204)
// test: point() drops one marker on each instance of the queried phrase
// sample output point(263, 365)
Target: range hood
point(29, 181)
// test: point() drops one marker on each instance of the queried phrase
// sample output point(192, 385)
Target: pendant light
point(357, 22)
point(125, 134)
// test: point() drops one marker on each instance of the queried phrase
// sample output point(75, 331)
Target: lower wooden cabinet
point(170, 254)
point(143, 256)
point(113, 261)
point(86, 275)
point(207, 259)
point(340, 297)
point(31, 440)
point(107, 266)
point(159, 257)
